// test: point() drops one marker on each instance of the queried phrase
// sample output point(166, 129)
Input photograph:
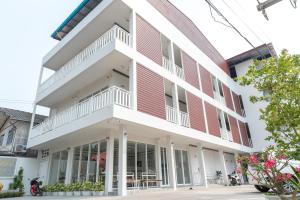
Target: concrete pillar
point(158, 162)
point(224, 169)
point(203, 168)
point(132, 28)
point(34, 106)
point(69, 166)
point(175, 101)
point(133, 85)
point(122, 176)
point(109, 165)
point(171, 164)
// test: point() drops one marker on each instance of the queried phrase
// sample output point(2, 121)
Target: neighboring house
point(239, 65)
point(138, 95)
point(14, 131)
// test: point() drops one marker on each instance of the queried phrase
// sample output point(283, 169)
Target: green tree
point(18, 181)
point(278, 80)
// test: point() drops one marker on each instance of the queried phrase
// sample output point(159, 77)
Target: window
point(218, 90)
point(89, 162)
point(1, 139)
point(224, 125)
point(58, 167)
point(227, 122)
point(11, 135)
point(164, 166)
point(220, 119)
point(182, 167)
point(242, 105)
point(248, 134)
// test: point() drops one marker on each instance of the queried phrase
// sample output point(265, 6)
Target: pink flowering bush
point(266, 169)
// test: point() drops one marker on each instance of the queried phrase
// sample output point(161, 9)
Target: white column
point(69, 165)
point(203, 168)
point(133, 85)
point(171, 165)
point(34, 106)
point(175, 101)
point(122, 177)
point(223, 165)
point(158, 162)
point(132, 28)
point(109, 165)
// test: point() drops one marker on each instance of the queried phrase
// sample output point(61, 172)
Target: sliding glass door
point(182, 167)
point(58, 167)
point(164, 166)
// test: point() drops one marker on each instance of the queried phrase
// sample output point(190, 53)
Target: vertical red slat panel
point(190, 70)
point(196, 113)
point(244, 133)
point(234, 130)
point(237, 104)
point(190, 30)
point(148, 40)
point(212, 120)
point(206, 81)
point(150, 92)
point(228, 98)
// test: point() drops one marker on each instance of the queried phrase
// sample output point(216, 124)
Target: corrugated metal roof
point(84, 8)
point(21, 115)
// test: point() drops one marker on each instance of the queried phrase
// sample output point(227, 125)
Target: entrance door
point(195, 167)
point(182, 167)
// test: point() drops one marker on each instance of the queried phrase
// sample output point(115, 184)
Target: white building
point(138, 95)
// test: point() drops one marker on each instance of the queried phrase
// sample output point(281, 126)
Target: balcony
point(171, 116)
point(226, 135)
point(115, 33)
point(179, 72)
point(167, 64)
point(111, 96)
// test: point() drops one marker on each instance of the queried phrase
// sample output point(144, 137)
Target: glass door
point(164, 166)
point(182, 167)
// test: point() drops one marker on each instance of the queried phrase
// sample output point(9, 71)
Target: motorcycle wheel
point(261, 188)
point(33, 193)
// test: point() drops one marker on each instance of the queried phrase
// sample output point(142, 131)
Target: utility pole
point(262, 6)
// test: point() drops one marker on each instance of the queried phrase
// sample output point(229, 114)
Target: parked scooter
point(35, 187)
point(234, 179)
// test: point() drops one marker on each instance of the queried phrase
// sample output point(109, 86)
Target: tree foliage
point(278, 80)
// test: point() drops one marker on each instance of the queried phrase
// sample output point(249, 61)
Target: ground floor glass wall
point(182, 167)
point(58, 167)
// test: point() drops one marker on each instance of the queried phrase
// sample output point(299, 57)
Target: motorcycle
point(35, 187)
point(234, 179)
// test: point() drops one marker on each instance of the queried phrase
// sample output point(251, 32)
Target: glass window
point(164, 166)
point(141, 160)
point(76, 160)
point(220, 88)
point(179, 171)
point(116, 163)
point(220, 119)
point(63, 166)
point(84, 162)
point(151, 159)
point(186, 167)
point(93, 162)
point(11, 135)
point(131, 159)
point(214, 84)
point(102, 161)
point(227, 122)
point(54, 168)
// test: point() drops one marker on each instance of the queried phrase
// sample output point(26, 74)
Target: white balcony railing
point(184, 119)
point(171, 114)
point(179, 72)
point(112, 34)
point(110, 96)
point(226, 135)
point(167, 64)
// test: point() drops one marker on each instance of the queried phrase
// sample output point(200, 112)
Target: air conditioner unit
point(20, 148)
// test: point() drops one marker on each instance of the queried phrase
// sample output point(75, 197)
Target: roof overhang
point(84, 8)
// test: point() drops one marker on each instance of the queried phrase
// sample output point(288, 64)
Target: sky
point(27, 25)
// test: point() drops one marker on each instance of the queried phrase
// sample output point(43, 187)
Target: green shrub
point(11, 194)
point(18, 181)
point(78, 186)
point(98, 186)
point(87, 186)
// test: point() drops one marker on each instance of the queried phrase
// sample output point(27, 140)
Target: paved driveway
point(245, 192)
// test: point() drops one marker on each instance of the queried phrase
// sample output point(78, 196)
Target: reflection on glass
point(75, 164)
point(116, 163)
point(63, 166)
point(93, 162)
point(186, 167)
point(164, 166)
point(102, 161)
point(54, 168)
point(179, 172)
point(141, 160)
point(84, 161)
point(130, 163)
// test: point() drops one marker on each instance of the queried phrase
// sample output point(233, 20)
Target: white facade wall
point(256, 125)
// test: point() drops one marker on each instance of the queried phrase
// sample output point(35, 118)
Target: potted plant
point(61, 189)
point(69, 189)
point(76, 187)
point(86, 188)
point(98, 189)
point(266, 168)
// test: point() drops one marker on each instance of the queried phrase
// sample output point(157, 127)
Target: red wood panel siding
point(237, 104)
point(206, 81)
point(212, 120)
point(150, 92)
point(148, 40)
point(234, 130)
point(244, 133)
point(228, 98)
point(190, 70)
point(196, 112)
point(190, 30)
